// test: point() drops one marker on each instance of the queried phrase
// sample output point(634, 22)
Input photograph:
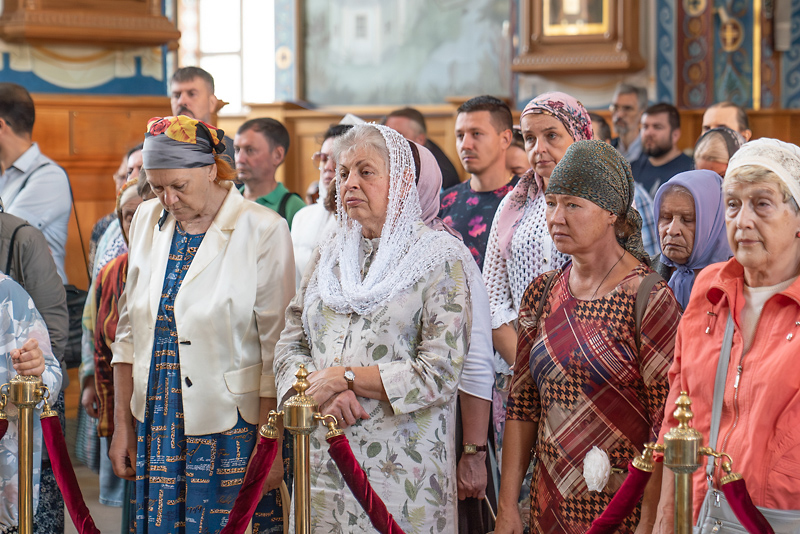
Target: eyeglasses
point(613, 108)
point(320, 159)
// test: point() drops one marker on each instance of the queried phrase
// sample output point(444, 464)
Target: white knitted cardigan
point(532, 253)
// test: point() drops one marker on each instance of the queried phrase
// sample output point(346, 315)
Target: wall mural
point(726, 52)
point(733, 60)
point(665, 50)
point(790, 64)
point(93, 70)
point(411, 51)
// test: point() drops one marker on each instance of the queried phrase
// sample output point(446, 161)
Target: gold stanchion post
point(300, 418)
point(25, 392)
point(681, 449)
point(682, 452)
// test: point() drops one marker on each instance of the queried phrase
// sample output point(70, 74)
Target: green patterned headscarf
point(594, 170)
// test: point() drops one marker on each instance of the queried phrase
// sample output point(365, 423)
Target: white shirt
point(309, 225)
point(36, 189)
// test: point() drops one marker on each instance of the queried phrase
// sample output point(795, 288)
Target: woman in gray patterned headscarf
point(589, 383)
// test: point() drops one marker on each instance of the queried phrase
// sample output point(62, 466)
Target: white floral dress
point(407, 446)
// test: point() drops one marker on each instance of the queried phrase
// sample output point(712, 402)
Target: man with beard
point(662, 159)
point(192, 94)
point(626, 114)
point(261, 146)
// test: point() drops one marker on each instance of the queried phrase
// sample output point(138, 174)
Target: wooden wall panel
point(88, 135)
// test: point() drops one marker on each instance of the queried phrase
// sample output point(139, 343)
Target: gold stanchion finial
point(683, 413)
point(46, 410)
point(301, 384)
point(270, 430)
point(333, 426)
point(645, 462)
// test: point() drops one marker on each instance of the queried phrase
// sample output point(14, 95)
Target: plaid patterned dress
point(580, 380)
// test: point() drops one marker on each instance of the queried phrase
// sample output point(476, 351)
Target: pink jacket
point(765, 443)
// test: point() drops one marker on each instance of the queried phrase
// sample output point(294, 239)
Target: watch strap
point(348, 371)
point(471, 448)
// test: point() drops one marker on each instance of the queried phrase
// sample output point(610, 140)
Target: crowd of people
point(483, 343)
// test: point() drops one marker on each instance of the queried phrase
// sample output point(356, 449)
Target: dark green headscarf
point(596, 171)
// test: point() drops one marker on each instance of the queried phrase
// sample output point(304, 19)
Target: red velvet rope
point(65, 476)
point(3, 427)
point(250, 493)
point(357, 481)
point(623, 503)
point(746, 512)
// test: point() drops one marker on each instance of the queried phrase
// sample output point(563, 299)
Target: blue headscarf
point(710, 240)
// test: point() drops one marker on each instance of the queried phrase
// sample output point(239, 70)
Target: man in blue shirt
point(661, 158)
point(32, 186)
point(261, 146)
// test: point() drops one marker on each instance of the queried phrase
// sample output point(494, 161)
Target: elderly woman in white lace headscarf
point(383, 322)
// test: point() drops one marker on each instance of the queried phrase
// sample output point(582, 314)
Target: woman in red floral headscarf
point(209, 277)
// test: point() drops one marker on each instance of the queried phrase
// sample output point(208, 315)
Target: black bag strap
point(11, 247)
point(74, 210)
point(284, 201)
point(642, 298)
point(548, 284)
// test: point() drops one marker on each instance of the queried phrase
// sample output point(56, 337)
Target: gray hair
point(361, 136)
point(628, 89)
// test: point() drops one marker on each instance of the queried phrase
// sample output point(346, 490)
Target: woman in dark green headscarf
point(589, 385)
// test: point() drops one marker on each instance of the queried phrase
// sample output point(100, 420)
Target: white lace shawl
point(404, 254)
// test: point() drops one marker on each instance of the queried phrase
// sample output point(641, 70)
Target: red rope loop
point(359, 485)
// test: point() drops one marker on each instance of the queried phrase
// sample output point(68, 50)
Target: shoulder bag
point(716, 515)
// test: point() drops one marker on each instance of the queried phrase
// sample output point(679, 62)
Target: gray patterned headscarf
point(596, 171)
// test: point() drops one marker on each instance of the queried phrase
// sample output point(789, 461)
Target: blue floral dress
point(183, 483)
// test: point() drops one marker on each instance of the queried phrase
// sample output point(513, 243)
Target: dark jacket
point(31, 265)
point(450, 175)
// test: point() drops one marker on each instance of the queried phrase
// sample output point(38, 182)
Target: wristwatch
point(350, 376)
point(471, 448)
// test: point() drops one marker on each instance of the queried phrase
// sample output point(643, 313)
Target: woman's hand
point(326, 383)
point(89, 399)
point(275, 476)
point(508, 521)
point(471, 476)
point(345, 408)
point(122, 451)
point(29, 360)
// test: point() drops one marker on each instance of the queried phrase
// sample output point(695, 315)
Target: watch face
point(469, 448)
point(349, 376)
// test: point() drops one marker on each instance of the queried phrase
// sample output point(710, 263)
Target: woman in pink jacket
point(759, 292)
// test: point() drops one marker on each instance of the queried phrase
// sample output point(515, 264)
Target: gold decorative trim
point(757, 55)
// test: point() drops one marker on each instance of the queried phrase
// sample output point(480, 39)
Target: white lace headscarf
point(405, 254)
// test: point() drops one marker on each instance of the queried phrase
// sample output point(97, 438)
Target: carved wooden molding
point(609, 45)
point(92, 22)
